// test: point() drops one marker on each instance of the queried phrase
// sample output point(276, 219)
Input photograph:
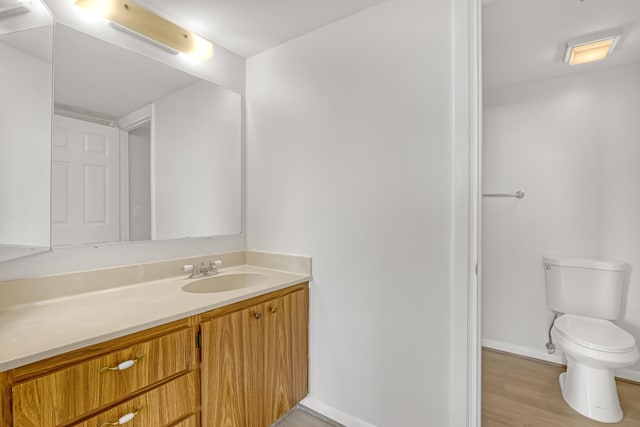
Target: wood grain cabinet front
point(254, 362)
point(163, 406)
point(191, 421)
point(250, 370)
point(69, 393)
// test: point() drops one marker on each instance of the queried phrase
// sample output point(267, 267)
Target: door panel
point(85, 183)
point(278, 359)
point(286, 353)
point(231, 359)
point(254, 363)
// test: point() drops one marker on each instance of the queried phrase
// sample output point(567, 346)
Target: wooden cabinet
point(156, 368)
point(254, 361)
point(231, 351)
point(250, 370)
point(285, 353)
point(171, 403)
point(67, 394)
point(192, 421)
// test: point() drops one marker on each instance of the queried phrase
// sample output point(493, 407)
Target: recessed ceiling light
point(591, 48)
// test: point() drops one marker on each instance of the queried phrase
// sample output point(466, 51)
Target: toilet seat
point(595, 334)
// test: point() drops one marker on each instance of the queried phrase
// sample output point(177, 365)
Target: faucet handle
point(193, 268)
point(213, 267)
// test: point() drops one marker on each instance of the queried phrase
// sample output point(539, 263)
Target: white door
point(85, 183)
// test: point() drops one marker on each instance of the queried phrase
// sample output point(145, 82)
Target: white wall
point(25, 148)
point(349, 160)
point(572, 144)
point(89, 258)
point(196, 163)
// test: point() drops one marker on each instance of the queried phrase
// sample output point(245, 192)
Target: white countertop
point(36, 331)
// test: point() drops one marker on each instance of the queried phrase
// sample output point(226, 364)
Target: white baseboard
point(524, 351)
point(333, 413)
point(627, 374)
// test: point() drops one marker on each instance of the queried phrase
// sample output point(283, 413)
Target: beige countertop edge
point(83, 341)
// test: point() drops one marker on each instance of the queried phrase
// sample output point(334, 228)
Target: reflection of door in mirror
point(26, 48)
point(84, 183)
point(100, 194)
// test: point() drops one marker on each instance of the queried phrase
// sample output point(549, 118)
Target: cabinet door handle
point(122, 365)
point(123, 419)
point(257, 315)
point(274, 309)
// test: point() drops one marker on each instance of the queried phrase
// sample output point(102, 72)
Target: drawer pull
point(122, 365)
point(123, 419)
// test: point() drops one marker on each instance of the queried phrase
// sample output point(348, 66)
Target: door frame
point(128, 123)
point(466, 213)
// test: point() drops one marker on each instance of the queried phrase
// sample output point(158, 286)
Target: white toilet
point(588, 292)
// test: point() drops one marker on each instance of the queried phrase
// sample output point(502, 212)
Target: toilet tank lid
point(599, 264)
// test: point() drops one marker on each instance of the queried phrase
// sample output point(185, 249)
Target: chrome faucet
point(200, 271)
point(213, 268)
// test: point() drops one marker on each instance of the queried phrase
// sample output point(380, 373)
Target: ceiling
point(248, 27)
point(103, 80)
point(525, 40)
point(37, 42)
point(90, 79)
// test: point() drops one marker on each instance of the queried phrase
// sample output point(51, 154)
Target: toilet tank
point(585, 286)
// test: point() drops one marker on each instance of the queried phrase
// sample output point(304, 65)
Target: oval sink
point(225, 282)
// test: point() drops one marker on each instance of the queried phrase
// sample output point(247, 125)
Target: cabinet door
point(192, 421)
point(300, 342)
point(285, 365)
point(232, 357)
point(254, 363)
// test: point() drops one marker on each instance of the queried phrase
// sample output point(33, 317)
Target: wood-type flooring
point(520, 392)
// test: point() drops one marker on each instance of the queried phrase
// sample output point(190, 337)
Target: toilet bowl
point(594, 349)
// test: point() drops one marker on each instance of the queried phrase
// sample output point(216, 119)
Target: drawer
point(65, 395)
point(160, 407)
point(192, 421)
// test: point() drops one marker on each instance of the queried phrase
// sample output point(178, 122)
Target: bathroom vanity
point(239, 357)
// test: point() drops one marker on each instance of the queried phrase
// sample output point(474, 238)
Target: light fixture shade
point(137, 19)
point(10, 8)
point(591, 48)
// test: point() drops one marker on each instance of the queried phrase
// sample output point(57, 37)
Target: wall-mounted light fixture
point(594, 47)
point(13, 7)
point(132, 18)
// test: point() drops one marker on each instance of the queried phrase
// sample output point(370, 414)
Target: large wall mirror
point(141, 151)
point(26, 51)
